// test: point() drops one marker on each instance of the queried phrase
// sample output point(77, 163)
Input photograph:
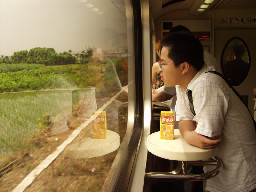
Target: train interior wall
point(224, 32)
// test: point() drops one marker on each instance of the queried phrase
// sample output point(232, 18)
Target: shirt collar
point(195, 80)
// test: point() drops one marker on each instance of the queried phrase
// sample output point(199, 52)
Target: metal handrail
point(182, 173)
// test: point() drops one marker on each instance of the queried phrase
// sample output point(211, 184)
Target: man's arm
point(159, 95)
point(187, 130)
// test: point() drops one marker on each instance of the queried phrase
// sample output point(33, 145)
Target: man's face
point(170, 74)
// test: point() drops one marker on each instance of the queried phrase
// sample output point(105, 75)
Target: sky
point(60, 24)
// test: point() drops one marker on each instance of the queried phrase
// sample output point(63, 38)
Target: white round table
point(177, 149)
point(90, 147)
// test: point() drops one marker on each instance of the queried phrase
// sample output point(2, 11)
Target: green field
point(30, 91)
point(45, 77)
point(18, 67)
point(22, 112)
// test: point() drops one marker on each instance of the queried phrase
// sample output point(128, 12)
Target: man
point(165, 93)
point(219, 119)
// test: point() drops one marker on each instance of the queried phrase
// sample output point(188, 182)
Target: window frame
point(122, 170)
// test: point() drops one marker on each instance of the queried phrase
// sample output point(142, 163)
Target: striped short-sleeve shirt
point(220, 112)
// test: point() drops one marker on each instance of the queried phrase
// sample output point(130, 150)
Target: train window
point(63, 92)
point(235, 61)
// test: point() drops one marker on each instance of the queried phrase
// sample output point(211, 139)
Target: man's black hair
point(184, 47)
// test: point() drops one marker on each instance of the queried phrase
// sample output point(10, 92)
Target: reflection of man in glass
point(237, 69)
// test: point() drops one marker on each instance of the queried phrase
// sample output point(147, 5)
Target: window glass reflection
point(63, 64)
point(235, 61)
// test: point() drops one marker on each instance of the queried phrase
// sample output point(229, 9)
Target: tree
point(47, 56)
point(20, 56)
point(41, 55)
point(86, 56)
point(67, 58)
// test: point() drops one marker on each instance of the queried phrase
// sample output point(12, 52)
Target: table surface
point(89, 147)
point(177, 149)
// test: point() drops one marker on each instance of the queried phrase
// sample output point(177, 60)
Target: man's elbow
point(197, 140)
point(210, 143)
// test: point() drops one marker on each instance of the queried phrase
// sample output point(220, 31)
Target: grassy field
point(22, 112)
point(22, 108)
point(4, 68)
point(44, 77)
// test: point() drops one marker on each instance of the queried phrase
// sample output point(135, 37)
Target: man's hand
point(195, 139)
point(125, 88)
point(158, 95)
point(187, 129)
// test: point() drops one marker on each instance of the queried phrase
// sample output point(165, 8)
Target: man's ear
point(184, 67)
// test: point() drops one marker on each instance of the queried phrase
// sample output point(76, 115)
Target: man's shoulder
point(210, 79)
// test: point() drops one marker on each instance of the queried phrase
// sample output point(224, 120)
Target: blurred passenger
point(217, 116)
point(157, 81)
point(236, 70)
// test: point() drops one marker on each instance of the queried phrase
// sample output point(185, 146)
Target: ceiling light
point(203, 6)
point(200, 10)
point(208, 1)
point(83, 1)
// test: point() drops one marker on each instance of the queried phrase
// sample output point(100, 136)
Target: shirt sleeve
point(182, 110)
point(210, 104)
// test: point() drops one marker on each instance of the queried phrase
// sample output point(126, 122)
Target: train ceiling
point(168, 6)
point(166, 3)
